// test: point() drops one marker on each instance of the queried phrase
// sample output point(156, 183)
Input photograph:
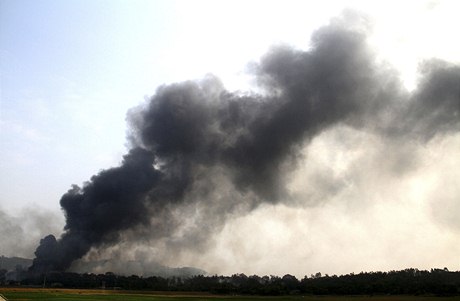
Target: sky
point(71, 70)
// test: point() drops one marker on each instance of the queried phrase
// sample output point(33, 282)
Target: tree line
point(408, 281)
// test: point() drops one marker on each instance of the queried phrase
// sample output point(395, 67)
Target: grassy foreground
point(25, 294)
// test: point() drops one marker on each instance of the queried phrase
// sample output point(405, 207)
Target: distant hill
point(130, 267)
point(134, 267)
point(10, 263)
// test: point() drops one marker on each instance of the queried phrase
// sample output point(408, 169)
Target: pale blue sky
point(70, 70)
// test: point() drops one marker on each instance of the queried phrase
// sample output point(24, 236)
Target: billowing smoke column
point(191, 133)
point(110, 202)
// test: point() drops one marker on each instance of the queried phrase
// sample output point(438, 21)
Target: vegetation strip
point(439, 282)
point(32, 294)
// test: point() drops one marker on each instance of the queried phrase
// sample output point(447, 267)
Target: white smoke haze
point(20, 230)
point(355, 211)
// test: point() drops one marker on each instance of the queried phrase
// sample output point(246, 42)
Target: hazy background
point(70, 70)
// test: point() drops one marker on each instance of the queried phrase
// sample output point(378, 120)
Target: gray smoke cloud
point(201, 155)
point(435, 107)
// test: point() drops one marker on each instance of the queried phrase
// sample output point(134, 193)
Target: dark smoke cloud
point(435, 106)
point(111, 202)
point(200, 153)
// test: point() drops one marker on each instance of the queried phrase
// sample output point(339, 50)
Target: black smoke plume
point(112, 201)
point(196, 143)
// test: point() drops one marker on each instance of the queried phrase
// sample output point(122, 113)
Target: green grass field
point(25, 294)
